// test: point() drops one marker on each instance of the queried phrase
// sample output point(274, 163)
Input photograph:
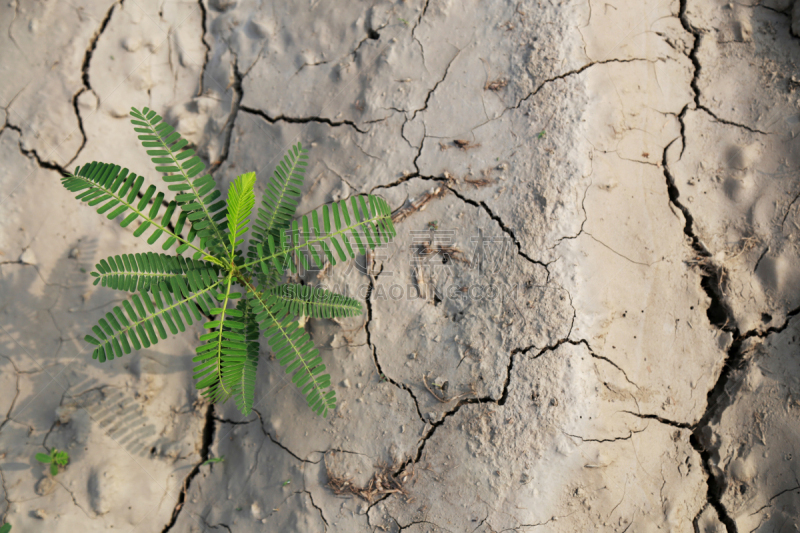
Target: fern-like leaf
point(315, 302)
point(370, 225)
point(172, 303)
point(281, 197)
point(241, 199)
point(116, 190)
point(294, 349)
point(196, 196)
point(138, 272)
point(220, 360)
point(244, 367)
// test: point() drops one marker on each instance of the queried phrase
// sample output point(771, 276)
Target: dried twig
point(496, 85)
point(382, 482)
point(412, 206)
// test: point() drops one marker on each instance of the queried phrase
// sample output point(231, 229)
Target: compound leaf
point(138, 272)
point(180, 165)
point(294, 349)
point(315, 302)
point(114, 189)
point(241, 199)
point(370, 226)
point(171, 303)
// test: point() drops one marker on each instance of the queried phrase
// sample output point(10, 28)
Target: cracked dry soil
point(587, 321)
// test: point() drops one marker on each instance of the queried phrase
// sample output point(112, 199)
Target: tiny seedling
point(433, 225)
point(55, 459)
point(404, 21)
point(213, 460)
point(177, 290)
point(287, 482)
point(541, 135)
point(5, 528)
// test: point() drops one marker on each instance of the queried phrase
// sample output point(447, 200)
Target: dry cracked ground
point(587, 321)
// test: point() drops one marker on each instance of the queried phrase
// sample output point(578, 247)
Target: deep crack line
point(374, 349)
point(508, 231)
point(236, 101)
point(87, 86)
point(208, 437)
point(203, 18)
point(300, 120)
point(719, 315)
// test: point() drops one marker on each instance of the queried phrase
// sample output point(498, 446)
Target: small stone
point(40, 514)
point(28, 257)
point(438, 338)
point(74, 253)
point(346, 383)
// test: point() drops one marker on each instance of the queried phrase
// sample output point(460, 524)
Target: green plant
point(5, 528)
point(219, 459)
point(173, 289)
point(55, 459)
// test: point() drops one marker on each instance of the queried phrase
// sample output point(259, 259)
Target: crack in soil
point(208, 437)
point(300, 120)
point(381, 374)
point(318, 508)
point(506, 229)
point(236, 101)
point(719, 315)
point(203, 19)
point(87, 86)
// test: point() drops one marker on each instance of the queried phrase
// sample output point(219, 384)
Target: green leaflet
point(344, 230)
point(172, 304)
point(281, 197)
point(138, 272)
point(241, 199)
point(315, 302)
point(293, 348)
point(235, 298)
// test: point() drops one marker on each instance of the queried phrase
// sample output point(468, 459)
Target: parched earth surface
point(587, 321)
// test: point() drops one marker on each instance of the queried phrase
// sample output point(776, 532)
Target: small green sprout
point(404, 21)
point(542, 134)
point(238, 509)
point(287, 482)
point(214, 460)
point(55, 459)
point(433, 225)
